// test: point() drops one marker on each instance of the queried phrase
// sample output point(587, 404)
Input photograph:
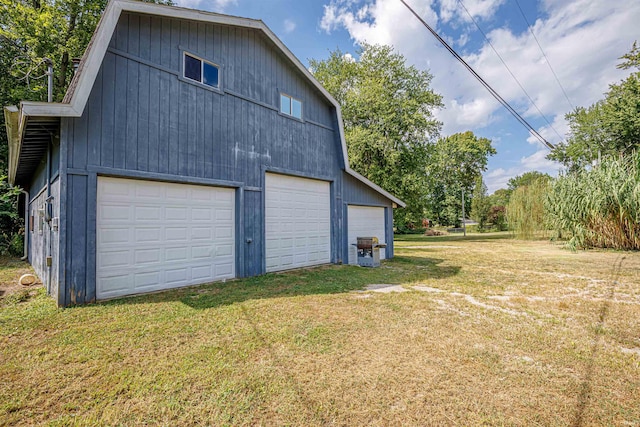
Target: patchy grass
point(494, 331)
point(10, 290)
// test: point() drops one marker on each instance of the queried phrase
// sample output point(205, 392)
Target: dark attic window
point(201, 71)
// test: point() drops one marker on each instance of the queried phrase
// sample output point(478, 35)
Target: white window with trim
point(201, 71)
point(290, 106)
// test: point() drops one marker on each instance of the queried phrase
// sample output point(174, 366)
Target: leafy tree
point(526, 211)
point(480, 203)
point(456, 162)
point(610, 126)
point(387, 108)
point(525, 179)
point(498, 217)
point(10, 221)
point(500, 197)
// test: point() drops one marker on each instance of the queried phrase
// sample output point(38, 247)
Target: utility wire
point(495, 94)
point(509, 69)
point(545, 56)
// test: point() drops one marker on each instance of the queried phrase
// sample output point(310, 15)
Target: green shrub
point(10, 222)
point(526, 209)
point(598, 207)
point(498, 217)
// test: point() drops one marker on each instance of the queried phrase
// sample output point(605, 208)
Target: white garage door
point(365, 221)
point(298, 222)
point(155, 235)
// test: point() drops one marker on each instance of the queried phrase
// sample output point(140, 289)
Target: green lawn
point(491, 331)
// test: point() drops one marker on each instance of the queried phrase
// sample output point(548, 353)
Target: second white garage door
point(365, 221)
point(298, 222)
point(157, 235)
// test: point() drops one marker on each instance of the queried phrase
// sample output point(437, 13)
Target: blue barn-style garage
point(190, 147)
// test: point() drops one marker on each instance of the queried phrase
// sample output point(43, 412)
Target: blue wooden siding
point(143, 120)
point(44, 239)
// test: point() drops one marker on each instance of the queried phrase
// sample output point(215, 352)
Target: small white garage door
point(298, 222)
point(156, 235)
point(365, 221)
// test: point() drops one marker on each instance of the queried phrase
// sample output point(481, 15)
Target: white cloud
point(539, 162)
point(582, 40)
point(289, 26)
point(464, 38)
point(498, 178)
point(475, 113)
point(478, 9)
point(559, 125)
point(210, 5)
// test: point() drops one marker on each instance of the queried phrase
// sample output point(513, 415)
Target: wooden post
point(464, 222)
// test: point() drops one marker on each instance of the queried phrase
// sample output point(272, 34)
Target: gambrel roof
point(29, 127)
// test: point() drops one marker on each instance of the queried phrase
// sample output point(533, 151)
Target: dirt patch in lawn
point(11, 269)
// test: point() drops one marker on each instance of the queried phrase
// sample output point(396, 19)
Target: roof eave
point(12, 124)
point(48, 109)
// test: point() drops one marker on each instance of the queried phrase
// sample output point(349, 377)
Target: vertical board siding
point(253, 226)
point(45, 242)
point(76, 241)
point(142, 116)
point(119, 142)
point(55, 239)
point(108, 110)
point(356, 193)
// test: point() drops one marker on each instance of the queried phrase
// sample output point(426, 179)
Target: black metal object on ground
point(369, 251)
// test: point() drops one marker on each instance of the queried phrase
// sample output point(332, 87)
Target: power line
point(509, 69)
point(545, 56)
point(495, 94)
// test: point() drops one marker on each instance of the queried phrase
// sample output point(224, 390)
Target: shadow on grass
point(330, 279)
point(586, 389)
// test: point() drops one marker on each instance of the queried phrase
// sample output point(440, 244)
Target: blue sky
point(581, 39)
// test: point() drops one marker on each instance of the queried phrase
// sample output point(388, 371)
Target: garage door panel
point(147, 235)
point(176, 234)
point(148, 256)
point(145, 280)
point(365, 221)
point(172, 235)
point(119, 236)
point(298, 222)
point(116, 284)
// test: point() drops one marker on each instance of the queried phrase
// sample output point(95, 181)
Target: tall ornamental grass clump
point(598, 207)
point(525, 211)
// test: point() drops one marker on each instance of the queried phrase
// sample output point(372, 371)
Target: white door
point(298, 222)
point(157, 235)
point(365, 221)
